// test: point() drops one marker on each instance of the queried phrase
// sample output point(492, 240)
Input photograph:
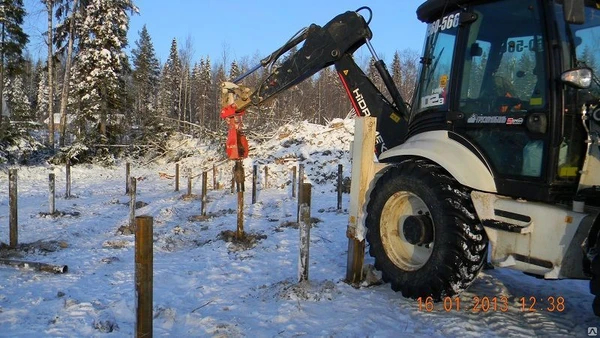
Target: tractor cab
point(509, 79)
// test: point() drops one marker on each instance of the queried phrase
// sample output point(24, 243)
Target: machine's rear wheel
point(596, 306)
point(423, 232)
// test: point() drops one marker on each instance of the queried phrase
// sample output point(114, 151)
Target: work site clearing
point(207, 284)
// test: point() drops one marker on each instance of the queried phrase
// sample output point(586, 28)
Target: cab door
point(503, 92)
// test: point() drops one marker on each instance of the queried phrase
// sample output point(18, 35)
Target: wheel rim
point(403, 254)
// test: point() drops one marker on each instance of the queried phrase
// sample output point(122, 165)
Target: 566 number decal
point(447, 22)
point(520, 45)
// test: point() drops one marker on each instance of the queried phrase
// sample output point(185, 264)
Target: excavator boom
point(332, 44)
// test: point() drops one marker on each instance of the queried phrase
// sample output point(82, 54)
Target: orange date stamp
point(484, 304)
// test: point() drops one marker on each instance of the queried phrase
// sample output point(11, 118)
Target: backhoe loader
point(498, 155)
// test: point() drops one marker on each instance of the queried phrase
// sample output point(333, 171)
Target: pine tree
point(42, 97)
point(16, 99)
point(12, 40)
point(169, 84)
point(196, 95)
point(31, 77)
point(145, 77)
point(215, 93)
point(206, 84)
point(234, 71)
point(99, 75)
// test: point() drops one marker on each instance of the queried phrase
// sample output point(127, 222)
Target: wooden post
point(304, 226)
point(266, 176)
point(215, 182)
point(68, 184)
point(143, 275)
point(13, 211)
point(300, 182)
point(132, 198)
point(233, 179)
point(176, 176)
point(127, 175)
point(189, 190)
point(254, 175)
point(52, 194)
point(204, 191)
point(300, 175)
point(339, 187)
point(294, 181)
point(362, 173)
point(239, 180)
point(219, 184)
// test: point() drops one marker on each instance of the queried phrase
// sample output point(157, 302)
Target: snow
point(205, 286)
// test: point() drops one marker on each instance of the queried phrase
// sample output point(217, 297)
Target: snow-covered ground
point(205, 286)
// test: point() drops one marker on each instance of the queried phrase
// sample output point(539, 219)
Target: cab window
point(503, 83)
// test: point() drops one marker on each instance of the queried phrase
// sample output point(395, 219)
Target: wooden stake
point(219, 184)
point(266, 176)
point(132, 198)
point(304, 226)
point(204, 192)
point(143, 275)
point(339, 187)
point(13, 211)
point(362, 174)
point(68, 183)
point(300, 182)
point(189, 190)
point(52, 194)
point(233, 179)
point(215, 182)
point(176, 176)
point(294, 181)
point(239, 179)
point(127, 175)
point(254, 178)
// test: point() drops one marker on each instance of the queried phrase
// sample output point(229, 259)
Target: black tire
point(592, 250)
point(596, 306)
point(458, 247)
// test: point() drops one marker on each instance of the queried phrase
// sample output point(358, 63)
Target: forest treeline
point(88, 92)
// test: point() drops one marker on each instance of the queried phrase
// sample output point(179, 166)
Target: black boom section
point(367, 100)
point(322, 47)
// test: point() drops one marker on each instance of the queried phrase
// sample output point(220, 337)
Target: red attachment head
point(230, 111)
point(237, 145)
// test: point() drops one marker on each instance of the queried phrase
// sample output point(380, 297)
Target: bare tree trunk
point(2, 75)
point(49, 4)
point(65, 89)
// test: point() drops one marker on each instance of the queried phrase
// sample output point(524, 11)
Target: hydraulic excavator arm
point(332, 44)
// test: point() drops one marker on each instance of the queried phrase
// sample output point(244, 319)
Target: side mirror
point(574, 11)
point(578, 77)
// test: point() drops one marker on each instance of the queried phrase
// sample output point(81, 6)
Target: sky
point(239, 29)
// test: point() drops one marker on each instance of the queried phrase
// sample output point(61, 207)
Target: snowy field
point(205, 286)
